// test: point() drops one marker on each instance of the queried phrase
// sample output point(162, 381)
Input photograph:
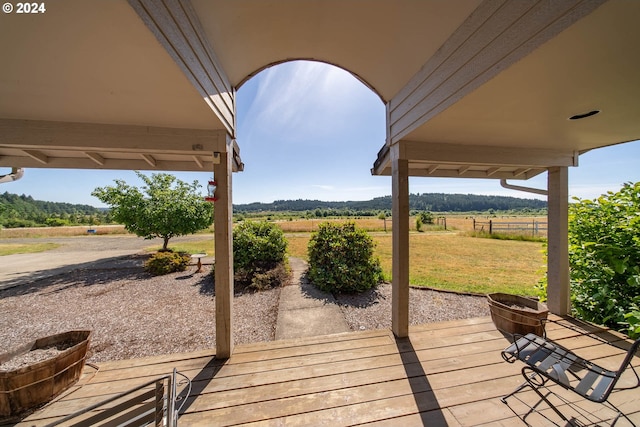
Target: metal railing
point(152, 403)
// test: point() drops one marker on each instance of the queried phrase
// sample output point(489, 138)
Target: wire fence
point(531, 228)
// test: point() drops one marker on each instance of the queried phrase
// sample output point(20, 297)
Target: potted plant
point(516, 314)
point(37, 372)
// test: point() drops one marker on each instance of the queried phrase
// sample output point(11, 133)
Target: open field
point(462, 222)
point(80, 230)
point(452, 261)
point(441, 260)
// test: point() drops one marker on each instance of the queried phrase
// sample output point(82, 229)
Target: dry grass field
point(39, 232)
point(453, 261)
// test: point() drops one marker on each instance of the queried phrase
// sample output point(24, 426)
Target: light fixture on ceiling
point(584, 115)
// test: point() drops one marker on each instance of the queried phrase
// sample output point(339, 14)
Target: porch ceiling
point(467, 73)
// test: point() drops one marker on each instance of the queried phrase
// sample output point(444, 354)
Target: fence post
point(490, 226)
point(474, 224)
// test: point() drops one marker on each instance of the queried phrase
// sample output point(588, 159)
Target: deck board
point(447, 373)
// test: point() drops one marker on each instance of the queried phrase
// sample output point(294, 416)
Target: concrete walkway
point(304, 310)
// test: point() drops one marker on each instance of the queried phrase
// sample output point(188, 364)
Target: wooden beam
point(400, 243)
point(176, 26)
point(416, 169)
point(149, 159)
point(495, 36)
point(558, 282)
point(37, 155)
point(492, 171)
point(134, 163)
point(463, 169)
point(39, 134)
point(431, 169)
point(197, 161)
point(223, 211)
point(434, 152)
point(521, 172)
point(96, 158)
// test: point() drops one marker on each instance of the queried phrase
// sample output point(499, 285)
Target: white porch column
point(400, 239)
point(224, 255)
point(558, 285)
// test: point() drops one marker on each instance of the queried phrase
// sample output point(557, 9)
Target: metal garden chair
point(547, 361)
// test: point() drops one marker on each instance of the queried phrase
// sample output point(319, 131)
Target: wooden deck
point(448, 373)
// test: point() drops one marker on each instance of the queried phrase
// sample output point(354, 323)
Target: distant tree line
point(434, 202)
point(24, 211)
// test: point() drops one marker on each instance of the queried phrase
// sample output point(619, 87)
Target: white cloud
point(306, 100)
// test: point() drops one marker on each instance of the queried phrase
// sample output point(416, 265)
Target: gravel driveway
point(133, 314)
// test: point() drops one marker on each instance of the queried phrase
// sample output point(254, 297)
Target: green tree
point(165, 207)
point(604, 254)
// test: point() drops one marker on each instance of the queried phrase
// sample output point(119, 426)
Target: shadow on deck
point(445, 374)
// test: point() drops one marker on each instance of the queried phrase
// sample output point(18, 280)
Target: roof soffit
point(383, 44)
point(492, 39)
point(177, 28)
point(93, 62)
point(589, 66)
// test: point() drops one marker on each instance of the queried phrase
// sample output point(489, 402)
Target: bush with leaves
point(604, 254)
point(259, 254)
point(341, 259)
point(166, 262)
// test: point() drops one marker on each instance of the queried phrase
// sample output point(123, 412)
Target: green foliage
point(166, 207)
point(23, 211)
point(426, 217)
point(604, 254)
point(56, 222)
point(259, 253)
point(341, 259)
point(258, 244)
point(263, 280)
point(419, 223)
point(167, 262)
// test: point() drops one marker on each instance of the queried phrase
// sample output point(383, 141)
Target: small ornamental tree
point(165, 207)
point(604, 254)
point(341, 259)
point(259, 254)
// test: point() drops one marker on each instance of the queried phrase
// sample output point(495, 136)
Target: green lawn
point(20, 248)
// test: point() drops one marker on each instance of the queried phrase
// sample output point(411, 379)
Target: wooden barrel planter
point(514, 314)
point(26, 387)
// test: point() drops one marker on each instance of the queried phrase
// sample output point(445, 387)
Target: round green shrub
point(259, 254)
point(166, 262)
point(341, 259)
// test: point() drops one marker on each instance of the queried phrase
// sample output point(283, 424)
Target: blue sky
point(312, 131)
